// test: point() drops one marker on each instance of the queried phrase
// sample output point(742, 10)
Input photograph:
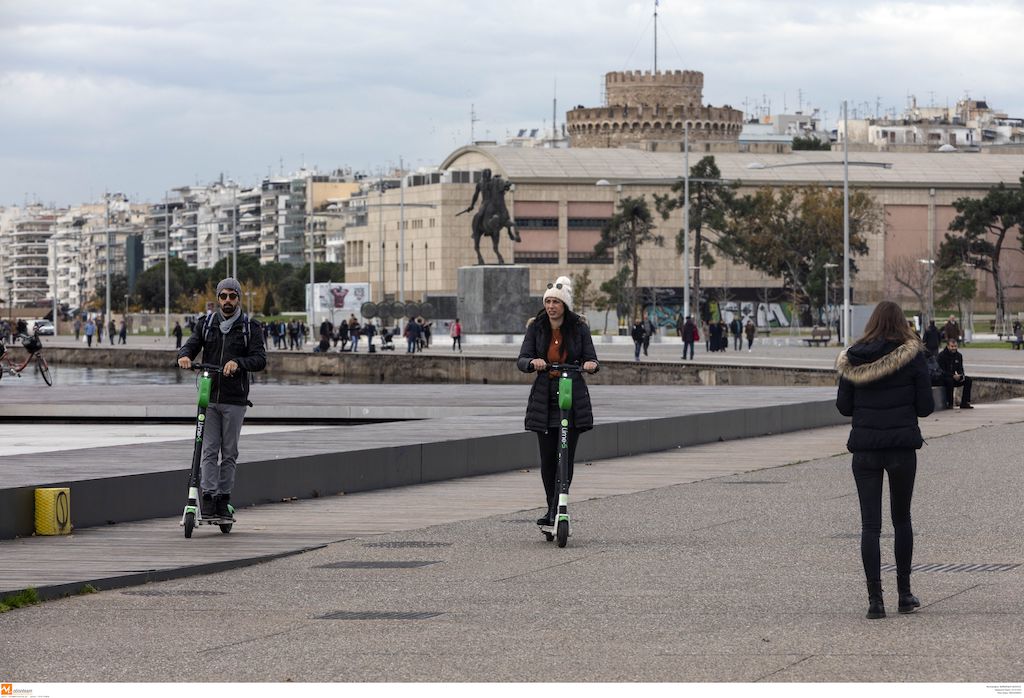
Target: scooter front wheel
point(190, 524)
point(562, 533)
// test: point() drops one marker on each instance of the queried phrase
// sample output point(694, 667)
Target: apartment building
point(283, 220)
point(26, 246)
point(970, 125)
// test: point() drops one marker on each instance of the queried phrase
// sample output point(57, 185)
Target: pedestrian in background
point(177, 334)
point(750, 331)
point(123, 333)
point(715, 336)
point(78, 328)
point(932, 338)
point(690, 335)
point(637, 333)
point(884, 385)
point(456, 333)
point(412, 335)
point(736, 326)
point(951, 330)
point(649, 329)
point(90, 330)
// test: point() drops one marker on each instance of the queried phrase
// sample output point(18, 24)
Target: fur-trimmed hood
point(866, 363)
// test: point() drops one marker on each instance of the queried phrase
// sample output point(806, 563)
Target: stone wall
point(399, 367)
point(637, 87)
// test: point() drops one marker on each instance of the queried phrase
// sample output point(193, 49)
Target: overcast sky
point(143, 95)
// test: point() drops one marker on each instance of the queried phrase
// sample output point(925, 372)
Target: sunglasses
point(228, 296)
point(558, 286)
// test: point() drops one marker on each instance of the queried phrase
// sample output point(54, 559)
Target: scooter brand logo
point(6, 689)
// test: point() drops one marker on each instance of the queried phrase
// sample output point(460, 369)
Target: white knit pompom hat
point(562, 290)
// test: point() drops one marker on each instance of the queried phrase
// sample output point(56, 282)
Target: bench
point(819, 337)
point(1014, 342)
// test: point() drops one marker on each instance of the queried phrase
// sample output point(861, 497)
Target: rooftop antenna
point(554, 112)
point(472, 124)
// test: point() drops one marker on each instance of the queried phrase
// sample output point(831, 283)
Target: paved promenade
point(734, 561)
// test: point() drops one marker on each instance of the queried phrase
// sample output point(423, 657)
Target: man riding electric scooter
point(227, 338)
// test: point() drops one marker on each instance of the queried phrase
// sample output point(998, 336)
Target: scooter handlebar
point(214, 368)
point(566, 367)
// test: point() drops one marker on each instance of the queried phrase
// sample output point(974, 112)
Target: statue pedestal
point(494, 299)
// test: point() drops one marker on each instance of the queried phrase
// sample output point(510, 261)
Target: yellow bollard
point(53, 511)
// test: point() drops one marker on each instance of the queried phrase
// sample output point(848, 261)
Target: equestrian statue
point(493, 214)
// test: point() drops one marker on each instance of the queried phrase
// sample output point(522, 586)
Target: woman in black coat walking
point(884, 385)
point(556, 335)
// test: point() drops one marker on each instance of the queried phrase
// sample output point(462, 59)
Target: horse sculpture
point(493, 214)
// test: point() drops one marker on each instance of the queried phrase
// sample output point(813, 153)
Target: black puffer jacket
point(885, 387)
point(579, 348)
point(220, 348)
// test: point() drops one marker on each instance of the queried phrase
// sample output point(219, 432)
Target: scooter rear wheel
point(562, 533)
point(225, 528)
point(190, 524)
point(549, 536)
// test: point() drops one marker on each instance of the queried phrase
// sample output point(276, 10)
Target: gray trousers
point(220, 440)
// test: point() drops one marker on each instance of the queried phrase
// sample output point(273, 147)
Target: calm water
point(87, 375)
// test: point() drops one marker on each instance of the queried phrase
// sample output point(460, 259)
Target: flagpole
point(655, 36)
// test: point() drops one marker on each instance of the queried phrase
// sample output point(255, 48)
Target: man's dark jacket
point(220, 348)
point(951, 362)
point(884, 386)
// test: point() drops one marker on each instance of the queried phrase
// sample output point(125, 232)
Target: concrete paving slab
point(702, 581)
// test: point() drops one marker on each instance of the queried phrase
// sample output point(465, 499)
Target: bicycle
point(33, 348)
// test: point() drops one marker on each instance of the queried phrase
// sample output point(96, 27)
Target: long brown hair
point(887, 322)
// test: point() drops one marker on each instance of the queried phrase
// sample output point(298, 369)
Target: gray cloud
point(142, 96)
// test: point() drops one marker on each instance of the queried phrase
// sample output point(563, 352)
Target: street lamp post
point(106, 235)
point(846, 229)
point(167, 266)
point(686, 220)
point(931, 287)
point(828, 308)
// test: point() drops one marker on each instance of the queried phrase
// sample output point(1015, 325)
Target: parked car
point(43, 327)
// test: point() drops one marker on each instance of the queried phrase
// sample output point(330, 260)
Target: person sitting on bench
point(951, 362)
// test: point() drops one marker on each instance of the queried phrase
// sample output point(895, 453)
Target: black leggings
point(549, 460)
point(901, 465)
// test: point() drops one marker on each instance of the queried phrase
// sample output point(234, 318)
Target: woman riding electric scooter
point(556, 335)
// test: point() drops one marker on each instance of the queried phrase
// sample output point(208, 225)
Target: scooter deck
point(215, 520)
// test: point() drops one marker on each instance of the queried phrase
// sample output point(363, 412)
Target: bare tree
point(917, 277)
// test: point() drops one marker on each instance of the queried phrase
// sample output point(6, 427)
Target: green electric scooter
point(560, 530)
point(193, 514)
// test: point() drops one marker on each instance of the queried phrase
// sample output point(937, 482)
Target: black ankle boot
point(876, 607)
point(908, 602)
point(549, 518)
